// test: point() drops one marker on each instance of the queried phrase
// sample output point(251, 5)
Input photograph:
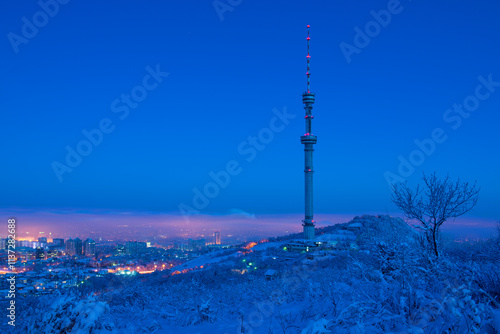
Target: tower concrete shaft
point(308, 140)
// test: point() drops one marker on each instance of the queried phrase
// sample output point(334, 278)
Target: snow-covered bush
point(69, 314)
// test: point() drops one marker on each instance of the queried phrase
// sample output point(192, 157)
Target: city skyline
point(142, 225)
point(380, 118)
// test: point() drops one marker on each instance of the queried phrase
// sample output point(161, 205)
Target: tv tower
point(308, 139)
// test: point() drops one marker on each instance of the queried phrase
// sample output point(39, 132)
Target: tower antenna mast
point(308, 61)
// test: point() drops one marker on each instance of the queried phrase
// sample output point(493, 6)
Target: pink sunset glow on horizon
point(67, 223)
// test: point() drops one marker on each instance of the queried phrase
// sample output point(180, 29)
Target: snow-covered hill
point(388, 283)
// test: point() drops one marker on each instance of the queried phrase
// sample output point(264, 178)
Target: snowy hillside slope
point(209, 258)
point(389, 284)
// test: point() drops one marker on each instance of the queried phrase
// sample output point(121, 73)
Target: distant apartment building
point(42, 240)
point(24, 243)
point(78, 246)
point(25, 253)
point(52, 252)
point(39, 253)
point(217, 237)
point(70, 247)
point(74, 247)
point(89, 247)
point(58, 242)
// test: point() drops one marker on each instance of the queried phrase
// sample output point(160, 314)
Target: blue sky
point(227, 79)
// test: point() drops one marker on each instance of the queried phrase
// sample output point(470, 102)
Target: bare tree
point(434, 203)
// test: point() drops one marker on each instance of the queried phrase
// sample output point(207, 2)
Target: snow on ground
point(218, 257)
point(496, 320)
point(337, 237)
point(266, 245)
point(391, 285)
point(210, 258)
